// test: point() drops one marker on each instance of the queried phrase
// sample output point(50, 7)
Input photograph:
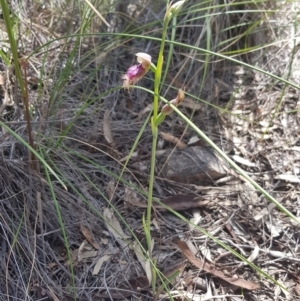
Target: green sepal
point(160, 118)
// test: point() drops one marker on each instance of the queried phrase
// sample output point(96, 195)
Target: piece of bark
point(192, 165)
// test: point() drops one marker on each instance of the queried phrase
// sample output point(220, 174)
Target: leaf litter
point(89, 236)
point(258, 124)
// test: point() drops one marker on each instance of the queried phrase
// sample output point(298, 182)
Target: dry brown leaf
point(254, 254)
point(288, 178)
point(86, 251)
point(173, 139)
point(106, 127)
point(243, 161)
point(275, 227)
point(89, 236)
point(133, 155)
point(155, 224)
point(131, 195)
point(175, 202)
point(110, 189)
point(99, 263)
point(145, 263)
point(195, 220)
point(194, 140)
point(206, 253)
point(113, 225)
point(211, 270)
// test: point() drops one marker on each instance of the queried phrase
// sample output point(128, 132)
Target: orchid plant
point(132, 76)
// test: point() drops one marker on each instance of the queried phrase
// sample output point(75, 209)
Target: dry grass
point(249, 115)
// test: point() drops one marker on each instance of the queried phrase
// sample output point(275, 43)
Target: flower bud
point(180, 97)
point(176, 7)
point(167, 109)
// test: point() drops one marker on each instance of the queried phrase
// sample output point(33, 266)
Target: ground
point(71, 213)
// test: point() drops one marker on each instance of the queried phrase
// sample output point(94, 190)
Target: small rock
point(192, 165)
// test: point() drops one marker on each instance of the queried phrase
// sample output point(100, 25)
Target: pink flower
point(136, 72)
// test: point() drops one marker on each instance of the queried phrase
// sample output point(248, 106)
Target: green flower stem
point(151, 180)
point(155, 121)
point(170, 52)
point(154, 128)
point(150, 199)
point(158, 72)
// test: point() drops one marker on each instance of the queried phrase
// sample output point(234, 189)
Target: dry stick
point(32, 158)
point(34, 257)
point(40, 214)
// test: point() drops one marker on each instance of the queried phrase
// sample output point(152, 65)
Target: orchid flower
point(136, 72)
